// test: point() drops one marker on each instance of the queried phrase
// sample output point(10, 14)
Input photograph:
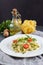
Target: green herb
point(34, 39)
point(4, 25)
point(25, 38)
point(20, 40)
point(28, 36)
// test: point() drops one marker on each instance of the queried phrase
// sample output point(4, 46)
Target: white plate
point(5, 46)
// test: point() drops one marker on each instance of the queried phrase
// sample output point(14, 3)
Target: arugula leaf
point(28, 36)
point(34, 39)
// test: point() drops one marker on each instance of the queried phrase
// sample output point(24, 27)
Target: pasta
point(24, 44)
point(28, 26)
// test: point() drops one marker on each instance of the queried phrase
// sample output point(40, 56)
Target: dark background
point(29, 9)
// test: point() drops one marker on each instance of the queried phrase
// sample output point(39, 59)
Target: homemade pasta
point(24, 44)
point(28, 26)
